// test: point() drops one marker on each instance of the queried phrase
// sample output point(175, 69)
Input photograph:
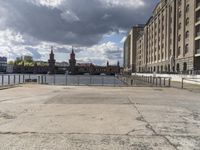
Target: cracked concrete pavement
point(41, 117)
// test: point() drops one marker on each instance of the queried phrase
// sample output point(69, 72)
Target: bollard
point(2, 78)
point(169, 82)
point(90, 80)
point(38, 79)
point(102, 81)
point(66, 79)
point(45, 79)
point(153, 80)
point(41, 79)
point(8, 79)
point(54, 79)
point(160, 82)
point(14, 80)
point(164, 82)
point(23, 78)
point(19, 79)
point(156, 81)
point(78, 79)
point(182, 82)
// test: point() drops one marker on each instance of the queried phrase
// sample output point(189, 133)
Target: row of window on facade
point(165, 68)
point(169, 54)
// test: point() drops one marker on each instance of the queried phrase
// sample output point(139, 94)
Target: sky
point(95, 28)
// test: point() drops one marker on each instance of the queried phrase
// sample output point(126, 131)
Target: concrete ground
point(36, 117)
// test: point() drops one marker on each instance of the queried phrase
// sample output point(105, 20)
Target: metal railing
point(8, 80)
point(147, 81)
point(190, 82)
point(79, 80)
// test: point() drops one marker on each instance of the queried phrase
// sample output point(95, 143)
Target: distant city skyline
point(96, 29)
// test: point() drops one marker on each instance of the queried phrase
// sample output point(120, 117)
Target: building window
point(158, 69)
point(161, 69)
point(185, 66)
point(179, 2)
point(186, 48)
point(179, 26)
point(187, 21)
point(179, 14)
point(187, 8)
point(179, 51)
point(179, 37)
point(187, 34)
point(177, 67)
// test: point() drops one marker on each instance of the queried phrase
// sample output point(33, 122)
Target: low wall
point(193, 79)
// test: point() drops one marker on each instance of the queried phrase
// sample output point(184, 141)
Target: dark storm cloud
point(74, 22)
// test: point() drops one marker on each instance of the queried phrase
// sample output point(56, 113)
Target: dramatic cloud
point(28, 24)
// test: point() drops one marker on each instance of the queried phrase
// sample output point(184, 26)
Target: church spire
point(107, 63)
point(118, 63)
point(72, 56)
point(51, 62)
point(51, 49)
point(73, 50)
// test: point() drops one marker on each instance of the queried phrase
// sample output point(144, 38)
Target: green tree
point(11, 62)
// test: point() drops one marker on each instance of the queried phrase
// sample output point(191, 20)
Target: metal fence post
point(153, 80)
point(23, 78)
point(169, 82)
point(19, 78)
point(66, 79)
point(90, 80)
point(14, 80)
point(160, 82)
point(38, 80)
point(45, 79)
point(54, 79)
point(156, 81)
point(2, 78)
point(164, 82)
point(8, 79)
point(42, 79)
point(182, 82)
point(78, 80)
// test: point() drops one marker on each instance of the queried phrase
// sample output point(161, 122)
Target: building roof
point(84, 64)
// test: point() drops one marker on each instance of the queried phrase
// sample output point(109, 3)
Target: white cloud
point(48, 3)
point(123, 39)
point(124, 3)
point(101, 53)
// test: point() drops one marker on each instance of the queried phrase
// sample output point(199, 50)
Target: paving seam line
point(149, 126)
